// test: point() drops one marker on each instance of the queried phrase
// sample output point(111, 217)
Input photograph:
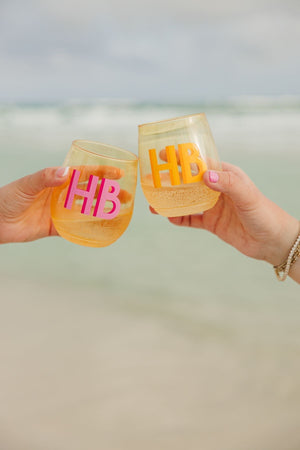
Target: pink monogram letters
point(109, 191)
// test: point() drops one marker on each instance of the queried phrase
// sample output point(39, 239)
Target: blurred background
point(169, 338)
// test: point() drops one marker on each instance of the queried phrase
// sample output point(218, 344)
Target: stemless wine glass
point(174, 154)
point(95, 205)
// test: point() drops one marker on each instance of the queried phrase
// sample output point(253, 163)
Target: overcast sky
point(154, 50)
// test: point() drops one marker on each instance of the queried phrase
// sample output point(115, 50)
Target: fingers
point(152, 210)
point(46, 178)
point(192, 221)
point(55, 176)
point(163, 155)
point(124, 196)
point(233, 182)
point(113, 173)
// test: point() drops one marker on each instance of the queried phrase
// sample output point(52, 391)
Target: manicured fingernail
point(62, 172)
point(213, 176)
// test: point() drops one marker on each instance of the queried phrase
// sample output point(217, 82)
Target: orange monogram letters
point(188, 154)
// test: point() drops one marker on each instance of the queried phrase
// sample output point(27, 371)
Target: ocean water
point(153, 257)
point(169, 336)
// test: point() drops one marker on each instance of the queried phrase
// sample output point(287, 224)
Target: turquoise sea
point(169, 338)
point(153, 257)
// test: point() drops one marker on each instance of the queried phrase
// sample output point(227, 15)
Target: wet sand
point(84, 371)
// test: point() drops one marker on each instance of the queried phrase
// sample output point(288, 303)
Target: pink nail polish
point(62, 172)
point(213, 176)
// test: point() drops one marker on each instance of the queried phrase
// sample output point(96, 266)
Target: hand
point(244, 218)
point(25, 203)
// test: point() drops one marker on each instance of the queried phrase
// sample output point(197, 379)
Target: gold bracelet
point(291, 259)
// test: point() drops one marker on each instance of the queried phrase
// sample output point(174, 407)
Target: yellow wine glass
point(95, 205)
point(174, 154)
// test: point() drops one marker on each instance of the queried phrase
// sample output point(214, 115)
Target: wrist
point(282, 242)
point(295, 271)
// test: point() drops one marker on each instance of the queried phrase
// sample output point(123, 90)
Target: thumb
point(233, 182)
point(46, 178)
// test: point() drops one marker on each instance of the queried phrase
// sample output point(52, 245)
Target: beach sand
point(80, 370)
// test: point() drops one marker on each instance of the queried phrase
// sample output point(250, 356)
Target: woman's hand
point(25, 203)
point(25, 206)
point(244, 218)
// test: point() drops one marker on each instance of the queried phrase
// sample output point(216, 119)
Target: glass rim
point(78, 144)
point(174, 119)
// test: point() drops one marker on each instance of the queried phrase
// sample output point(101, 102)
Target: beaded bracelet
point(291, 259)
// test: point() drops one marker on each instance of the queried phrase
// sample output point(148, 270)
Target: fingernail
point(62, 172)
point(213, 176)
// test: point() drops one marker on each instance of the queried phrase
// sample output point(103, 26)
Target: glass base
point(187, 210)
